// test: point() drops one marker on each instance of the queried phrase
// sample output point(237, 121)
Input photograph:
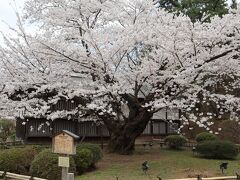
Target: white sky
point(7, 12)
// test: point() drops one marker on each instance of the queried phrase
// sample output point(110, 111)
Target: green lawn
point(163, 163)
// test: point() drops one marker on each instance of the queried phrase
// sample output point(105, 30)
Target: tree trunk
point(123, 136)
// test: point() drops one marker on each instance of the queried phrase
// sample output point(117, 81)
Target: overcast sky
point(7, 13)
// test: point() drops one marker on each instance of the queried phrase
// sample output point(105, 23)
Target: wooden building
point(38, 129)
point(31, 129)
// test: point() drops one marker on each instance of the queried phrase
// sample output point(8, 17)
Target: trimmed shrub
point(17, 160)
point(175, 141)
point(83, 160)
point(217, 149)
point(205, 136)
point(95, 149)
point(45, 165)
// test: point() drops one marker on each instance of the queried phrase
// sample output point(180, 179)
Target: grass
point(163, 163)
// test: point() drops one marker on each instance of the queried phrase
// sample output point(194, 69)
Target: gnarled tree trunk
point(123, 135)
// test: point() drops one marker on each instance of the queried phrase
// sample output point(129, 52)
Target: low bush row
point(43, 163)
point(17, 160)
point(217, 149)
point(208, 146)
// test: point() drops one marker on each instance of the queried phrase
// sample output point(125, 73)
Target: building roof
point(69, 133)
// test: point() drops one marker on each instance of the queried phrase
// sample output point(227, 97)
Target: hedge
point(83, 160)
point(95, 149)
point(205, 136)
point(217, 149)
point(17, 160)
point(45, 165)
point(175, 141)
point(41, 162)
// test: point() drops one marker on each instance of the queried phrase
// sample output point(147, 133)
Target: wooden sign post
point(65, 164)
point(64, 143)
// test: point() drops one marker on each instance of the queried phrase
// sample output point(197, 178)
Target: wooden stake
point(70, 176)
point(64, 173)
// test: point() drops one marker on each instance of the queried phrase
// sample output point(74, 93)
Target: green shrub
point(40, 148)
point(17, 160)
point(175, 141)
point(217, 149)
point(205, 136)
point(95, 149)
point(45, 165)
point(83, 160)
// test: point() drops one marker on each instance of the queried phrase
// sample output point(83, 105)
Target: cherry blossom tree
point(125, 60)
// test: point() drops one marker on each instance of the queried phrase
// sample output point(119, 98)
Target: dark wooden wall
point(43, 128)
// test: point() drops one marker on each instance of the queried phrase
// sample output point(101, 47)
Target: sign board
point(63, 162)
point(64, 143)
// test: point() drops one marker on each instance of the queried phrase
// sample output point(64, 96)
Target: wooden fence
point(162, 143)
point(12, 176)
point(211, 178)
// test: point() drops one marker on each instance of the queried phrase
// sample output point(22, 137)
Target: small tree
point(7, 128)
